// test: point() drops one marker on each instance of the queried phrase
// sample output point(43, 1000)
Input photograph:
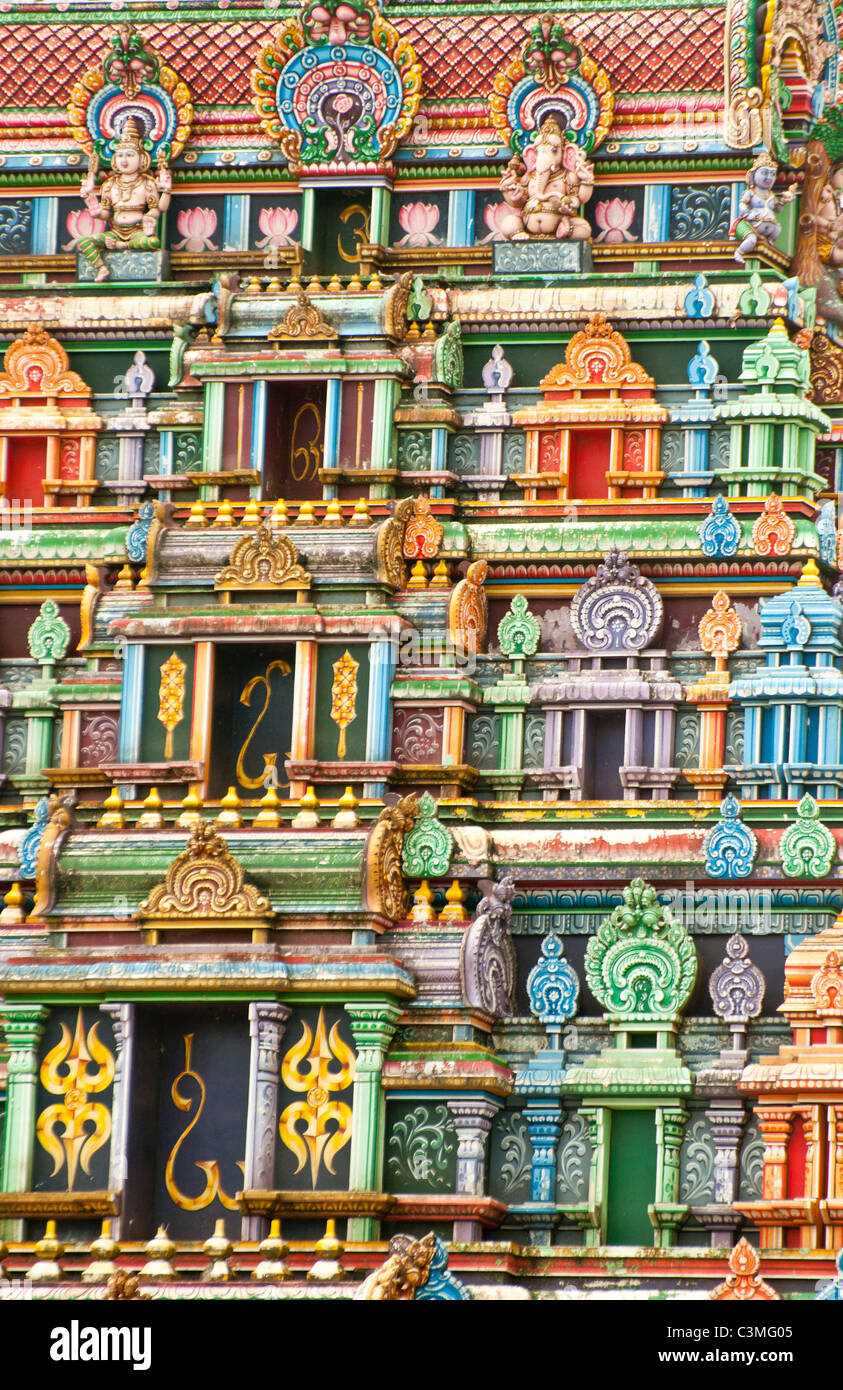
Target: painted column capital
point(372, 1028)
point(22, 1025)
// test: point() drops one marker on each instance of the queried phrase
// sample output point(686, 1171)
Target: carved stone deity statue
point(829, 219)
point(130, 199)
point(758, 207)
point(545, 192)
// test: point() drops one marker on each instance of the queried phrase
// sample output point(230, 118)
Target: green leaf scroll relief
point(807, 848)
point(641, 965)
point(429, 845)
point(420, 1147)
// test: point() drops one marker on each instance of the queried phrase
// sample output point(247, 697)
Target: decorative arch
point(596, 433)
point(337, 88)
point(552, 76)
point(130, 80)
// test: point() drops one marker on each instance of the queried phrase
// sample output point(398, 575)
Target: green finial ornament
point(807, 847)
point(519, 630)
point(49, 635)
point(429, 845)
point(642, 964)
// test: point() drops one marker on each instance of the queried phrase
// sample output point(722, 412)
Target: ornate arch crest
point(263, 561)
point(337, 88)
point(131, 80)
point(597, 356)
point(617, 609)
point(429, 845)
point(552, 77)
point(642, 964)
point(37, 365)
point(205, 882)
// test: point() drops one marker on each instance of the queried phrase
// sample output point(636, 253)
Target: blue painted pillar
point(333, 420)
point(544, 1126)
point(656, 212)
point(258, 441)
point(45, 226)
point(235, 223)
point(383, 658)
point(438, 456)
point(131, 704)
point(461, 217)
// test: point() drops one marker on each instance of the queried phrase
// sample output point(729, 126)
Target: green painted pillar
point(23, 1025)
point(212, 434)
point(599, 1121)
point(379, 224)
point(670, 1126)
point(383, 430)
point(372, 1027)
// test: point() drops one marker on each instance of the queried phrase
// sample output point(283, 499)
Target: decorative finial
point(192, 813)
point(423, 909)
point(346, 817)
point(272, 1268)
point(308, 817)
point(454, 910)
point(327, 1268)
point(197, 515)
point(112, 817)
point(269, 815)
point(229, 817)
point(151, 817)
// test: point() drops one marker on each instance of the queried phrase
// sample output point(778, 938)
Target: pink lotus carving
point(493, 216)
point(277, 225)
point(79, 224)
point(418, 221)
point(614, 217)
point(197, 227)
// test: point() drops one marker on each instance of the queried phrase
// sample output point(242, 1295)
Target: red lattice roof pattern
point(651, 50)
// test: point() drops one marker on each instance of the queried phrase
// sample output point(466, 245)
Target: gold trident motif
point(318, 1109)
point(76, 1146)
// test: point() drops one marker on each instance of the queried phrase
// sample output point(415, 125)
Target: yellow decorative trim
point(263, 561)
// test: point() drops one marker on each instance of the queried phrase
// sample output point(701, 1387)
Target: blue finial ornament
point(720, 533)
point(553, 987)
point(32, 839)
point(441, 1284)
point(703, 368)
point(137, 536)
point(699, 302)
point(730, 847)
point(796, 627)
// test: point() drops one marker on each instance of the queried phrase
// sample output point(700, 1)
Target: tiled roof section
point(39, 63)
point(649, 50)
point(642, 51)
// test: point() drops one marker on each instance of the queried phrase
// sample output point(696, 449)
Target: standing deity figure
point(829, 219)
point(130, 199)
point(758, 207)
point(544, 199)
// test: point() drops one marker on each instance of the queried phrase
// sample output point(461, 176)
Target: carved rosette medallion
point(642, 964)
point(337, 88)
point(617, 609)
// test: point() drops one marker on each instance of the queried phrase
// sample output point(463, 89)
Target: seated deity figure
point(758, 207)
point(130, 199)
point(829, 219)
point(544, 199)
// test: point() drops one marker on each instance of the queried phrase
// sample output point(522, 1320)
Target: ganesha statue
point(758, 207)
point(829, 219)
point(544, 192)
point(130, 200)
